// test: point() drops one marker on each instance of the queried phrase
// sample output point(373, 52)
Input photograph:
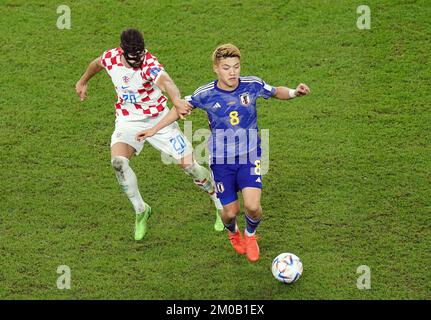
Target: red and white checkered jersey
point(138, 95)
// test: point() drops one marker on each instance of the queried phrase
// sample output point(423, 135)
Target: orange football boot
point(252, 248)
point(237, 241)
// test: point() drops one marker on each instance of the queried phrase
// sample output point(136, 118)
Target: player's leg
point(250, 183)
point(253, 209)
point(203, 179)
point(226, 187)
point(123, 146)
point(229, 217)
point(172, 141)
point(121, 153)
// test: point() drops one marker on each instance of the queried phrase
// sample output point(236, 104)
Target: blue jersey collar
point(227, 91)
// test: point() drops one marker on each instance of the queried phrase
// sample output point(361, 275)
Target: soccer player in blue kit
point(230, 103)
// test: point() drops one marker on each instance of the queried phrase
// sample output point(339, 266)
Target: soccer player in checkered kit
point(140, 83)
point(230, 103)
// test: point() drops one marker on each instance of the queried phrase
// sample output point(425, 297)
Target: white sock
point(217, 202)
point(248, 234)
point(128, 182)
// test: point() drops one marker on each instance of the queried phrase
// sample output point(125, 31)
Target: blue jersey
point(232, 115)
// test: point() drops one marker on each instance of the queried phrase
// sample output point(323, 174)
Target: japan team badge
point(245, 99)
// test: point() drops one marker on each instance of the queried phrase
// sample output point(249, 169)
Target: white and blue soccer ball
point(287, 268)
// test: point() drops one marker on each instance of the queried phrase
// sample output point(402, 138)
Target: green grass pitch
point(349, 181)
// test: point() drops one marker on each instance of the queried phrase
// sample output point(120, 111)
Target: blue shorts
point(231, 178)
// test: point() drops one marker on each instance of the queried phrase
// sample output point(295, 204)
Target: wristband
point(292, 93)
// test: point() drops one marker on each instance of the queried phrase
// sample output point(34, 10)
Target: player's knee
point(120, 163)
point(253, 208)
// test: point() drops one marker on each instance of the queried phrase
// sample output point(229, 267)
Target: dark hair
point(132, 40)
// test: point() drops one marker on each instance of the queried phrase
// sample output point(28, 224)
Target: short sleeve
point(265, 90)
point(152, 68)
point(105, 55)
point(102, 60)
point(200, 97)
point(194, 100)
point(111, 58)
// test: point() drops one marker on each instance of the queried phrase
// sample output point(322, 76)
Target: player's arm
point(285, 93)
point(171, 117)
point(166, 84)
point(94, 67)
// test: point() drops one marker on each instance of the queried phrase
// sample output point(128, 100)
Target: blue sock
point(251, 224)
point(231, 226)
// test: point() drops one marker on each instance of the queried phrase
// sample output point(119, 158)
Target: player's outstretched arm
point(166, 84)
point(285, 93)
point(171, 117)
point(94, 67)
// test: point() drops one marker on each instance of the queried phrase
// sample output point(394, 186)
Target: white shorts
point(169, 140)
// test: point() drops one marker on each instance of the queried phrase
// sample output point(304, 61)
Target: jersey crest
point(245, 99)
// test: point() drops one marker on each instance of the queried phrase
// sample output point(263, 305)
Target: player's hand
point(183, 116)
point(302, 90)
point(184, 108)
point(81, 90)
point(142, 135)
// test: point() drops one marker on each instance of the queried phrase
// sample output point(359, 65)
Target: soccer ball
point(287, 267)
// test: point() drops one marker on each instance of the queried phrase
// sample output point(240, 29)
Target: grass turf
point(349, 178)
